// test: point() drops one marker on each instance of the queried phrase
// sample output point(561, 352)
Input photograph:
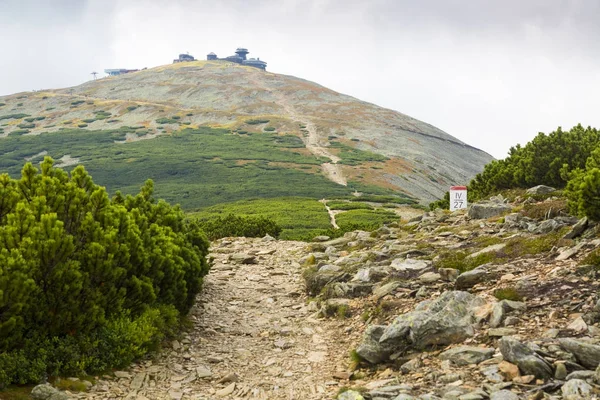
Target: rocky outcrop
point(528, 361)
point(485, 210)
point(448, 319)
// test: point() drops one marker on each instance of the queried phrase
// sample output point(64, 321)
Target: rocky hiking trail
point(253, 336)
point(495, 303)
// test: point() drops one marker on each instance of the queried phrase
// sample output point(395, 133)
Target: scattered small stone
point(226, 390)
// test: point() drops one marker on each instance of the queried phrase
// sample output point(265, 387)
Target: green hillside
point(192, 167)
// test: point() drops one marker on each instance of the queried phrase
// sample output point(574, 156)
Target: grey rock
point(577, 389)
point(501, 308)
point(492, 373)
point(504, 395)
point(580, 375)
point(561, 371)
point(328, 274)
point(469, 279)
point(429, 277)
point(384, 290)
point(404, 396)
point(473, 396)
point(241, 258)
point(489, 249)
point(541, 189)
point(411, 365)
point(350, 395)
point(487, 210)
point(330, 268)
point(407, 268)
point(448, 274)
point(578, 228)
point(528, 361)
point(586, 353)
point(448, 319)
point(362, 275)
point(321, 238)
point(370, 349)
point(465, 355)
point(501, 332)
point(333, 307)
point(547, 226)
point(47, 392)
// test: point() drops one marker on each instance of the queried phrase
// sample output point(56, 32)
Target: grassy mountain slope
point(212, 132)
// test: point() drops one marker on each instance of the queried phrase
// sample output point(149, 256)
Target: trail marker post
point(458, 198)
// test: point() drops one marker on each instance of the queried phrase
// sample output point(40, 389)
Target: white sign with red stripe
point(458, 198)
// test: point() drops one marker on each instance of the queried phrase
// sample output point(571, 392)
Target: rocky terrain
point(500, 302)
point(423, 161)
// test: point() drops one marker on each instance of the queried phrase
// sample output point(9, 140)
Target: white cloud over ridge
point(492, 73)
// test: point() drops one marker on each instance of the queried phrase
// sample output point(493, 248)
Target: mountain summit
point(352, 143)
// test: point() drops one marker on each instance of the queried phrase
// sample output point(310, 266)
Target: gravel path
point(253, 336)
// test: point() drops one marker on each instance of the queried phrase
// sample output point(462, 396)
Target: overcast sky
point(492, 73)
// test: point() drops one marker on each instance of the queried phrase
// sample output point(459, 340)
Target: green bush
point(77, 102)
point(88, 283)
point(13, 116)
point(257, 121)
point(232, 225)
point(270, 129)
point(26, 126)
point(131, 108)
point(343, 205)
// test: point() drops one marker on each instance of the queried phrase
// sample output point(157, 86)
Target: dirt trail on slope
point(251, 320)
point(332, 170)
point(331, 214)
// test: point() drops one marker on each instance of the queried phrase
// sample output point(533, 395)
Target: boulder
point(446, 320)
point(540, 189)
point(576, 389)
point(317, 280)
point(47, 392)
point(577, 229)
point(407, 268)
point(469, 279)
point(448, 274)
point(466, 355)
point(490, 249)
point(370, 349)
point(501, 308)
point(333, 307)
point(383, 290)
point(547, 226)
point(587, 354)
point(487, 210)
point(528, 361)
point(504, 395)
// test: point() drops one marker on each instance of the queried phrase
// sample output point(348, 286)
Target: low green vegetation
point(298, 218)
point(521, 246)
point(345, 205)
point(508, 293)
point(193, 167)
point(354, 156)
point(13, 116)
point(257, 121)
point(236, 226)
point(367, 220)
point(85, 288)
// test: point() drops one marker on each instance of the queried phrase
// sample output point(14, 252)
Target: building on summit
point(117, 72)
point(240, 58)
point(184, 58)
